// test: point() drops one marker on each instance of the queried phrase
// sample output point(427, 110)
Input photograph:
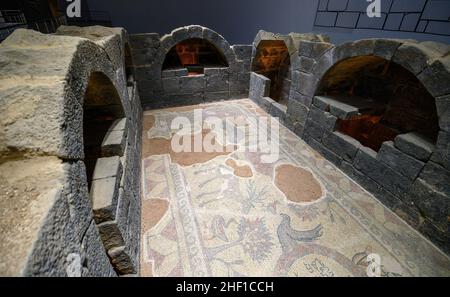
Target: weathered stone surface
point(442, 151)
point(436, 176)
point(209, 97)
point(278, 110)
point(366, 162)
point(217, 82)
point(304, 83)
point(107, 167)
point(34, 189)
point(324, 119)
point(370, 185)
point(259, 86)
point(110, 235)
point(344, 146)
point(266, 103)
point(443, 111)
point(97, 261)
point(297, 111)
point(192, 84)
point(414, 145)
point(386, 48)
point(305, 100)
point(435, 77)
point(414, 56)
point(141, 41)
point(313, 129)
point(320, 148)
point(243, 52)
point(114, 143)
point(104, 194)
point(171, 85)
point(432, 203)
point(437, 235)
point(397, 160)
point(121, 260)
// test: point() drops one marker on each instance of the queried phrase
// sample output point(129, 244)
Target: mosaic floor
point(230, 214)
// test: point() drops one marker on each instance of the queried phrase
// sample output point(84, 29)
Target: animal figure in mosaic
point(289, 237)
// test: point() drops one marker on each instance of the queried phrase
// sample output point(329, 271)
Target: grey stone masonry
point(344, 146)
point(114, 142)
point(396, 159)
point(159, 87)
point(414, 145)
point(259, 87)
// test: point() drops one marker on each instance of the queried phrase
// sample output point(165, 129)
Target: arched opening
point(129, 66)
point(102, 109)
point(378, 100)
point(272, 60)
point(195, 54)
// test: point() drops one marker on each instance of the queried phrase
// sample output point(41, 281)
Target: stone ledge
point(414, 145)
point(397, 160)
point(104, 194)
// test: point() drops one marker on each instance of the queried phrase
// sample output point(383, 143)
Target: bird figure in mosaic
point(290, 237)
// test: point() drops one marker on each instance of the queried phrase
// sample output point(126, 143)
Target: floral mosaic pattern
point(220, 224)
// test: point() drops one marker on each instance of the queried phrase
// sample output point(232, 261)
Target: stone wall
point(54, 228)
point(162, 88)
point(410, 175)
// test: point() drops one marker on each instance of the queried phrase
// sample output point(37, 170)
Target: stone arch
point(102, 113)
point(425, 62)
point(194, 54)
point(178, 35)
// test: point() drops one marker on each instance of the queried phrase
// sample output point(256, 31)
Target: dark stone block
point(386, 48)
point(436, 77)
point(314, 130)
point(141, 41)
point(366, 162)
point(297, 111)
point(414, 145)
point(324, 119)
point(437, 235)
point(343, 145)
point(171, 85)
point(321, 149)
point(370, 185)
point(216, 96)
point(436, 176)
point(397, 160)
point(306, 64)
point(192, 84)
point(432, 203)
point(278, 111)
point(296, 96)
point(243, 52)
point(442, 152)
point(443, 111)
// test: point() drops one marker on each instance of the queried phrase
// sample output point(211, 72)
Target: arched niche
point(389, 98)
point(272, 60)
point(102, 107)
point(195, 54)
